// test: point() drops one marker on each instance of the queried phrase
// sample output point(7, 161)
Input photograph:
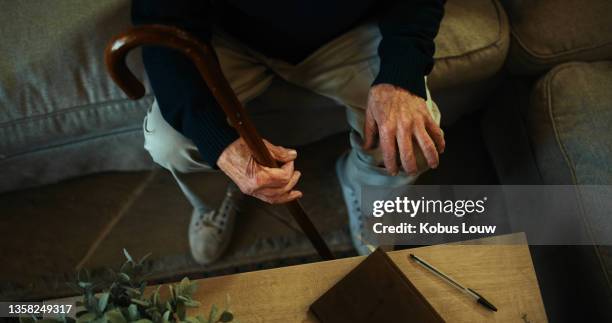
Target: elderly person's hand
point(272, 185)
point(399, 117)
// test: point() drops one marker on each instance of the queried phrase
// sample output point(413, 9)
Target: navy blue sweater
point(289, 30)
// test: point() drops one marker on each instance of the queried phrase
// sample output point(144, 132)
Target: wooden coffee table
point(499, 268)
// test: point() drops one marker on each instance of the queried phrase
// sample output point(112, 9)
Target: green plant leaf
point(141, 302)
point(132, 290)
point(115, 316)
point(155, 297)
point(212, 315)
point(166, 316)
point(144, 258)
point(143, 321)
point(103, 301)
point(132, 311)
point(192, 303)
point(84, 284)
point(184, 282)
point(172, 294)
point(127, 255)
point(124, 277)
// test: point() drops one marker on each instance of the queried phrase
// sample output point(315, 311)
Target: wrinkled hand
point(272, 185)
point(398, 117)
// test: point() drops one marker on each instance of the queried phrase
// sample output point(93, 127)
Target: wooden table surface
point(498, 268)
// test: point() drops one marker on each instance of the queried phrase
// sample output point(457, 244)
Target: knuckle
point(285, 176)
point(408, 126)
point(387, 130)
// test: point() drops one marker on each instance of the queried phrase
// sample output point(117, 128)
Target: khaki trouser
point(342, 70)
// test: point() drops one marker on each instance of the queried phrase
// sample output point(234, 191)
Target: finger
point(287, 197)
point(277, 192)
point(275, 177)
point(406, 150)
point(369, 131)
point(281, 154)
point(437, 135)
point(388, 146)
point(427, 146)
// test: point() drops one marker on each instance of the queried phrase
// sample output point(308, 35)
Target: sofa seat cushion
point(548, 32)
point(472, 43)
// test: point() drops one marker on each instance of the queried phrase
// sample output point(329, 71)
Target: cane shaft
point(206, 62)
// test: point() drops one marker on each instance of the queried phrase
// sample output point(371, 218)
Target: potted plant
point(122, 298)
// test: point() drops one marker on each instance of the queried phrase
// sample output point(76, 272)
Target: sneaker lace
point(218, 218)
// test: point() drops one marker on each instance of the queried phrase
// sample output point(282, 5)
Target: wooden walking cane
point(205, 60)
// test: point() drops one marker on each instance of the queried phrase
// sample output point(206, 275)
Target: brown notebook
point(375, 291)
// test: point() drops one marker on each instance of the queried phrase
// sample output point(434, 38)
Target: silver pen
point(481, 300)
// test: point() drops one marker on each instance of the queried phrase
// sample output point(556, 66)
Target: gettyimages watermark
point(431, 214)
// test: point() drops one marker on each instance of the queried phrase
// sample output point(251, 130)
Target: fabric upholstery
point(548, 32)
point(569, 127)
point(61, 115)
point(556, 132)
point(472, 43)
point(572, 104)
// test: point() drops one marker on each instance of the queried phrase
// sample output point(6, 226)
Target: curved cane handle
point(157, 35)
point(204, 60)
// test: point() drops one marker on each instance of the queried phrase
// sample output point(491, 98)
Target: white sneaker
point(353, 173)
point(210, 230)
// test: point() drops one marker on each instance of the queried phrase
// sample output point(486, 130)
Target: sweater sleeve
point(183, 97)
point(408, 29)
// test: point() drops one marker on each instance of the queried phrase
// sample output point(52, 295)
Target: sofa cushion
point(472, 43)
point(61, 115)
point(548, 32)
point(571, 110)
point(569, 125)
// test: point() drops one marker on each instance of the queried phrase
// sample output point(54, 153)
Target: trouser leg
point(173, 151)
point(178, 154)
point(344, 70)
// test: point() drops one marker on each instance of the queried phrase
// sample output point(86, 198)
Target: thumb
point(281, 154)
